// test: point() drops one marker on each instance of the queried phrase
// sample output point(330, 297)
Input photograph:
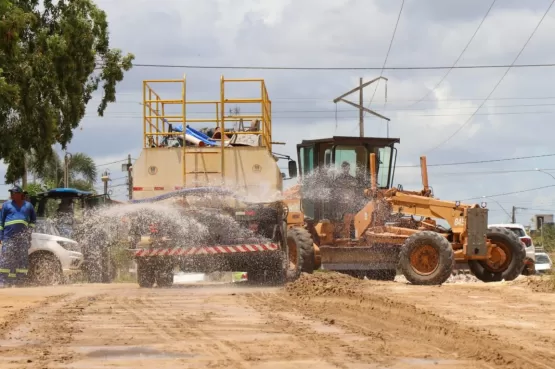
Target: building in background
point(543, 219)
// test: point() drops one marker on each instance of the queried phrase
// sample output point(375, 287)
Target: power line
point(301, 99)
point(353, 110)
point(386, 55)
point(480, 161)
point(296, 68)
point(500, 80)
point(129, 115)
point(460, 55)
point(511, 193)
point(113, 162)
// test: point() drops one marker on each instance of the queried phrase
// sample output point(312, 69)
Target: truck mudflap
point(206, 250)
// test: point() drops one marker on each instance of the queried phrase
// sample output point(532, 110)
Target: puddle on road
point(128, 353)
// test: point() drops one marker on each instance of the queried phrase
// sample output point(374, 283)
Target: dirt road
point(321, 321)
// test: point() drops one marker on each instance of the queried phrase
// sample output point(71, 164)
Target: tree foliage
point(53, 56)
point(50, 171)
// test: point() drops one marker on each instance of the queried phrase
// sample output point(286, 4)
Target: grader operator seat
point(317, 156)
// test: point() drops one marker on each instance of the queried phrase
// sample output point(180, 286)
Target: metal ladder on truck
point(159, 118)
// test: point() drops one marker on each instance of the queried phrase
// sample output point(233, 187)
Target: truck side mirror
point(282, 175)
point(292, 166)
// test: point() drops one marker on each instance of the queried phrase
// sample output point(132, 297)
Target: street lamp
point(498, 204)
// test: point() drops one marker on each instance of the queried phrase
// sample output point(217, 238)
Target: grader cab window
point(356, 156)
point(384, 167)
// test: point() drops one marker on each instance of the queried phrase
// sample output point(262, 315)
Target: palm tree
point(82, 170)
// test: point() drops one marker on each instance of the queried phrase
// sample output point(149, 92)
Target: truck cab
point(339, 152)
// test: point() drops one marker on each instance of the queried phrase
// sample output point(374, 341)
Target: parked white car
point(543, 263)
point(526, 240)
point(52, 258)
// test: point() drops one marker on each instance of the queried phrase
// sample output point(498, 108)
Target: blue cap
point(16, 189)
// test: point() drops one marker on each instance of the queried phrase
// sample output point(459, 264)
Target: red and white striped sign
point(207, 250)
point(157, 188)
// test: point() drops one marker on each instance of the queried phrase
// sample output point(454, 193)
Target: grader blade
point(363, 258)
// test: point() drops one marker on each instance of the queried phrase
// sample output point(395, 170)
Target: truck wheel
point(164, 276)
point(45, 270)
point(302, 238)
point(426, 258)
point(506, 257)
point(145, 274)
point(269, 269)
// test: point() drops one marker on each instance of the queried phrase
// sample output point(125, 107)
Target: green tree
point(53, 56)
point(82, 170)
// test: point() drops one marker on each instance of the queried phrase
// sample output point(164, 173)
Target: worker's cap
point(16, 189)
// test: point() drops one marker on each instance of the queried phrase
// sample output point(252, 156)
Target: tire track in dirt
point(18, 317)
point(177, 323)
point(323, 344)
point(42, 338)
point(344, 300)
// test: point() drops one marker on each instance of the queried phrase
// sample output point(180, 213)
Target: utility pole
point(67, 160)
point(360, 106)
point(130, 177)
point(513, 215)
point(105, 178)
point(360, 111)
point(128, 167)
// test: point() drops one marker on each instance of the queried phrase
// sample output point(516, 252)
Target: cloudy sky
point(515, 121)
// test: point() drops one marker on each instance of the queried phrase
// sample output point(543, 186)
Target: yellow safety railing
point(156, 119)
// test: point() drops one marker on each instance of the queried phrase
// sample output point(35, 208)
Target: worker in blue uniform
point(17, 220)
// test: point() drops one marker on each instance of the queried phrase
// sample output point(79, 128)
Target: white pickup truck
point(52, 258)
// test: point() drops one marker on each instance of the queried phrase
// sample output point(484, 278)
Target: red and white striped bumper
point(206, 250)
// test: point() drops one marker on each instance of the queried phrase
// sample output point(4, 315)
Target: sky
point(515, 121)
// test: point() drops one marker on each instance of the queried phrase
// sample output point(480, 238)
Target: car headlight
point(70, 246)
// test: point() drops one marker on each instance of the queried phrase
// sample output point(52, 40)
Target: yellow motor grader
point(381, 228)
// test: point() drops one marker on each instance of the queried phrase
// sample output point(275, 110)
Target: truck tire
point(145, 274)
point(513, 263)
point(426, 258)
point(269, 270)
point(292, 259)
point(45, 269)
point(304, 242)
point(164, 276)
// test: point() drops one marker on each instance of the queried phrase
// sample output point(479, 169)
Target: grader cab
point(363, 226)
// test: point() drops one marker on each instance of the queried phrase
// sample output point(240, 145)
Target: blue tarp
point(196, 134)
point(65, 192)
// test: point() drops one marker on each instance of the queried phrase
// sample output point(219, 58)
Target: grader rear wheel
point(505, 257)
point(426, 258)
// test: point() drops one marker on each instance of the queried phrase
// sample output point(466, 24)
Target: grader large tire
point(426, 258)
point(507, 258)
point(303, 239)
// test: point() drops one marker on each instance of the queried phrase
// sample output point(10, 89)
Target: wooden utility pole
point(129, 177)
point(513, 215)
point(67, 159)
point(360, 105)
point(360, 111)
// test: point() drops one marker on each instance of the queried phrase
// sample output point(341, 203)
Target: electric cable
point(460, 55)
point(498, 82)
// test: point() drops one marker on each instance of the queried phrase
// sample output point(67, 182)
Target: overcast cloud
point(517, 121)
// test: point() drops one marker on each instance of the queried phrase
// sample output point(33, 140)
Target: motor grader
point(221, 192)
point(385, 228)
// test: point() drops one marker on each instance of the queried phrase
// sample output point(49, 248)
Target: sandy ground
point(321, 321)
